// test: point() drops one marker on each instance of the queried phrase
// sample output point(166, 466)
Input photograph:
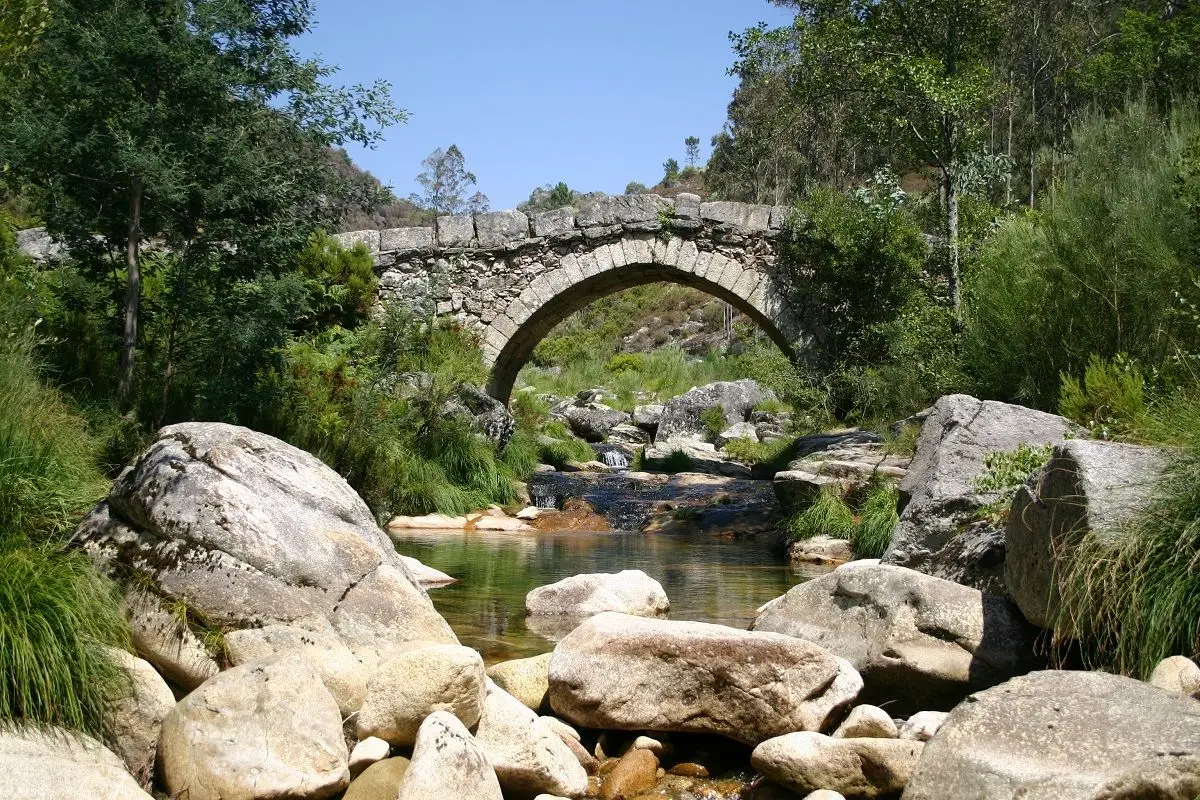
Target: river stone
point(629, 591)
point(867, 722)
point(136, 719)
point(919, 641)
point(617, 671)
point(1059, 735)
point(636, 772)
point(366, 752)
point(824, 794)
point(923, 726)
point(938, 497)
point(1176, 674)
point(412, 685)
point(1086, 486)
point(738, 430)
point(856, 768)
point(646, 417)
point(249, 531)
point(593, 422)
point(448, 763)
point(379, 781)
point(526, 679)
point(681, 416)
point(528, 756)
point(256, 731)
point(55, 764)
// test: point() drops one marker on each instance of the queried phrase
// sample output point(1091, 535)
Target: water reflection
point(709, 578)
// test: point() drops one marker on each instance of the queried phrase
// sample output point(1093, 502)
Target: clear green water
point(708, 577)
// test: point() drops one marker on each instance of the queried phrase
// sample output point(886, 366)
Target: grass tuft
point(827, 515)
point(877, 520)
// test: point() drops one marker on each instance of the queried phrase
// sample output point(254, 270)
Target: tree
point(670, 171)
point(192, 123)
point(445, 182)
point(548, 198)
point(21, 23)
point(634, 187)
point(692, 143)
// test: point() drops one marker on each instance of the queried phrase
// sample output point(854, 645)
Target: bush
point(676, 461)
point(877, 520)
point(827, 515)
point(56, 616)
point(714, 421)
point(1097, 271)
point(626, 362)
point(1110, 400)
point(775, 454)
point(1004, 473)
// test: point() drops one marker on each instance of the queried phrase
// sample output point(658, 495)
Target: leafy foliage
point(1004, 471)
point(1109, 401)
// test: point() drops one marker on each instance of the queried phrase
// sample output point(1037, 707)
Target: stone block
point(406, 240)
point(557, 279)
point(626, 209)
point(499, 228)
point(687, 206)
point(703, 261)
point(746, 284)
point(504, 325)
point(779, 215)
point(368, 238)
point(671, 258)
point(604, 259)
point(518, 312)
point(574, 268)
point(588, 266)
point(731, 275)
point(554, 223)
point(688, 253)
point(455, 232)
point(716, 268)
point(738, 215)
point(617, 251)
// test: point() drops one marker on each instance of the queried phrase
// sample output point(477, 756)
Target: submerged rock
point(246, 531)
point(55, 764)
point(260, 730)
point(617, 671)
point(1060, 735)
point(919, 641)
point(630, 591)
point(939, 499)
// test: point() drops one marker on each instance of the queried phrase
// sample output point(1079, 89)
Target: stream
point(708, 576)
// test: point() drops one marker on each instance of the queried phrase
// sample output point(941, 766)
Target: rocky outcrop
point(700, 456)
point(938, 496)
point(1086, 486)
point(593, 422)
point(630, 591)
point(855, 768)
point(448, 762)
point(247, 532)
point(918, 641)
point(1065, 736)
point(847, 461)
point(256, 731)
point(820, 549)
point(681, 416)
point(55, 764)
point(411, 686)
point(488, 416)
point(136, 719)
point(647, 417)
point(526, 753)
point(632, 673)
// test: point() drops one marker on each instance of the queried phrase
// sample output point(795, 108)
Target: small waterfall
point(615, 459)
point(545, 501)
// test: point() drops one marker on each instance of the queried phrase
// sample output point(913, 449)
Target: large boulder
point(938, 496)
point(1086, 486)
point(488, 416)
point(1065, 736)
point(527, 754)
point(629, 591)
point(448, 762)
point(593, 422)
point(411, 686)
point(681, 416)
point(245, 532)
point(136, 718)
point(920, 642)
point(256, 731)
point(53, 764)
point(856, 768)
point(632, 673)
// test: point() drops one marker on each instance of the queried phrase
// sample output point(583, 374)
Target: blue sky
point(596, 94)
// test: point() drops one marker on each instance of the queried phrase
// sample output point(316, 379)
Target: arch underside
point(520, 345)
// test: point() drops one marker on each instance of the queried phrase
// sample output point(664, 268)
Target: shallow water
point(708, 577)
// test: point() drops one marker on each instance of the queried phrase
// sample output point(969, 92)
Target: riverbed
point(709, 577)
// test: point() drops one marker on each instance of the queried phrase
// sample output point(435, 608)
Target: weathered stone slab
point(554, 223)
point(406, 240)
point(456, 231)
point(626, 209)
point(498, 228)
point(739, 215)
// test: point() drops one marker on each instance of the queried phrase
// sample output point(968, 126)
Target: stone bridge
point(514, 277)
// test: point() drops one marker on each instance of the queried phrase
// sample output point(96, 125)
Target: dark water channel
point(708, 577)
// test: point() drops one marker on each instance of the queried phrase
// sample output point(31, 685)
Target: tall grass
point(877, 520)
point(827, 515)
point(1130, 600)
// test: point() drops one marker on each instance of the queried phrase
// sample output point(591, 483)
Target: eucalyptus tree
point(193, 123)
point(445, 182)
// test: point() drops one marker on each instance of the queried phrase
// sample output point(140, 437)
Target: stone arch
point(582, 278)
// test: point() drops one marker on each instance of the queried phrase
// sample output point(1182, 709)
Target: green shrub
point(1004, 471)
point(1110, 401)
point(676, 461)
point(775, 454)
point(714, 421)
point(56, 616)
point(626, 362)
point(877, 520)
point(558, 446)
point(827, 515)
